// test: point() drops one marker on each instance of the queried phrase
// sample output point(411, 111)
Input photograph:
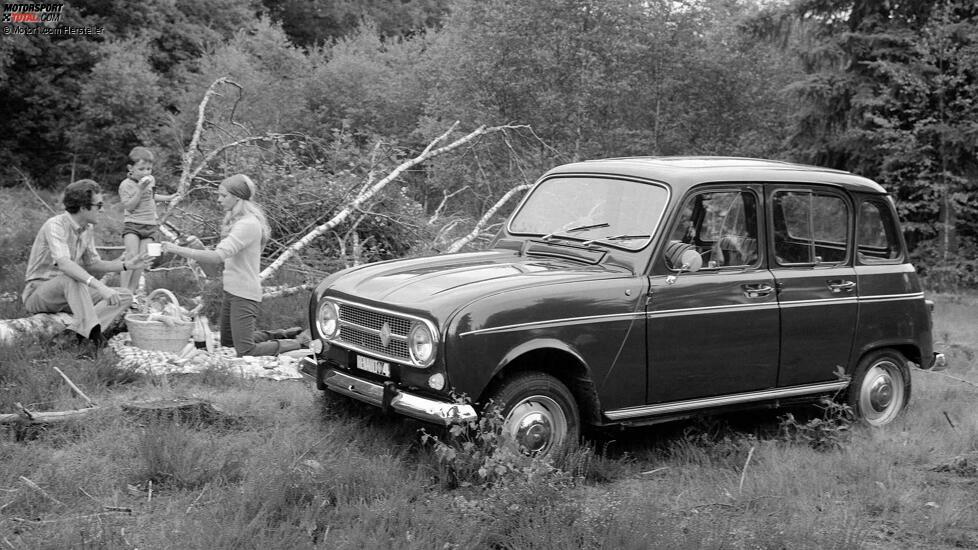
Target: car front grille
point(361, 328)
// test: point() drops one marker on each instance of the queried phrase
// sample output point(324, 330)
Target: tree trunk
point(35, 326)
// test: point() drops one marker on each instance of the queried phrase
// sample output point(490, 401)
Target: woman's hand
point(171, 248)
point(138, 261)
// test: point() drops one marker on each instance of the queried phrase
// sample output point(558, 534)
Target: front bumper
point(938, 362)
point(387, 396)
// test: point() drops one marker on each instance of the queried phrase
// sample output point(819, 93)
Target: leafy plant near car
point(833, 430)
point(476, 452)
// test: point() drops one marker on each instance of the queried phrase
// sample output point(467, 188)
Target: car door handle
point(757, 290)
point(841, 285)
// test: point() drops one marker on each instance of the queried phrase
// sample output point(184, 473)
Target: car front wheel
point(880, 387)
point(539, 413)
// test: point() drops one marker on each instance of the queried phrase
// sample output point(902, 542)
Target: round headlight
point(328, 319)
point(421, 343)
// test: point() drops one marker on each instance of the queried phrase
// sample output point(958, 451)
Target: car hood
point(441, 283)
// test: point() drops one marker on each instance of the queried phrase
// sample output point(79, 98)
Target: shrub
point(831, 431)
point(476, 453)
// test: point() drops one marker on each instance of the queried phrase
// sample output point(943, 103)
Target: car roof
point(684, 172)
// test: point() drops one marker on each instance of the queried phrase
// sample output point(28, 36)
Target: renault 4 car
point(631, 291)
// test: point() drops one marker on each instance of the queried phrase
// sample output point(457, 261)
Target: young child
point(138, 195)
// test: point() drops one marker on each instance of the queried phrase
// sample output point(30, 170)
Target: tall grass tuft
point(178, 456)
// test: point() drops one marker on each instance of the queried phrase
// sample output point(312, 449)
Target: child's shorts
point(142, 230)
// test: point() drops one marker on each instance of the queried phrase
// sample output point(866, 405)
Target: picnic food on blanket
point(197, 361)
point(162, 324)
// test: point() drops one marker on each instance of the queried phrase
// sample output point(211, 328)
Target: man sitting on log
point(62, 262)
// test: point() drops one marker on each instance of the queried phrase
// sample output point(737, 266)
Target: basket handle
point(164, 292)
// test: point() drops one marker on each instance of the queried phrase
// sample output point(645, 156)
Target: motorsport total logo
point(32, 13)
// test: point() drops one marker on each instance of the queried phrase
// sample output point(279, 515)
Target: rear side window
point(810, 228)
point(877, 240)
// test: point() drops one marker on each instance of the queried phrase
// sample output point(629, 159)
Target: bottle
point(209, 341)
point(199, 333)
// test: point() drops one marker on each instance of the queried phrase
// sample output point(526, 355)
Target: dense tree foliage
point(315, 22)
point(891, 92)
point(328, 94)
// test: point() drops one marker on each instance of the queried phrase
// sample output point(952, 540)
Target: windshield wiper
point(557, 233)
point(624, 237)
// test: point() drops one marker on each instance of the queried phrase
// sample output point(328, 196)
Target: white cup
point(154, 249)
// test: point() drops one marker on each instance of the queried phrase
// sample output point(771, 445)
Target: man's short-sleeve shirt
point(60, 238)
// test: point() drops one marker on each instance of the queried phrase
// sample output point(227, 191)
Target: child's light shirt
point(145, 211)
point(241, 251)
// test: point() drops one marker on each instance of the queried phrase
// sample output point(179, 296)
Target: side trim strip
point(568, 320)
point(712, 309)
point(892, 297)
point(695, 311)
point(707, 402)
point(820, 302)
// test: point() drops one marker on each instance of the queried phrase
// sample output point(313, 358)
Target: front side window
point(877, 239)
point(620, 213)
point(721, 226)
point(810, 228)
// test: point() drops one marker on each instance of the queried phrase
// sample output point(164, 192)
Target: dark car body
point(634, 290)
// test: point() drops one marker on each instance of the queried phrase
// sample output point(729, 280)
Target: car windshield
point(608, 211)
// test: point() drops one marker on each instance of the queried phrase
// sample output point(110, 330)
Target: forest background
point(324, 98)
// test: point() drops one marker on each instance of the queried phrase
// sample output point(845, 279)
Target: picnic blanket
point(280, 367)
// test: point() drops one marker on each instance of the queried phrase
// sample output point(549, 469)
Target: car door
point(712, 331)
point(811, 258)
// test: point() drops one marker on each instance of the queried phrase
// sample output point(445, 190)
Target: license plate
point(373, 365)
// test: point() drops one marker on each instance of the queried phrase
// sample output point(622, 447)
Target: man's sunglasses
point(98, 205)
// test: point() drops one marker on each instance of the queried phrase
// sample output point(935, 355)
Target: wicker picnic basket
point(157, 335)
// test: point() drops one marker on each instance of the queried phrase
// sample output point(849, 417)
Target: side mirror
point(691, 261)
point(683, 256)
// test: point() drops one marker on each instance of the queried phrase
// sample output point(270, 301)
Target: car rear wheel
point(539, 413)
point(880, 387)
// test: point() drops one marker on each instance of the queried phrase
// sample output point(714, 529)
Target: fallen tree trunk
point(35, 326)
point(45, 417)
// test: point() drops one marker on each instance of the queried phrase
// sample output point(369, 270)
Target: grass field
point(295, 470)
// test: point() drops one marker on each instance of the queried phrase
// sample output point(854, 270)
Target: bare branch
point(74, 387)
point(38, 489)
point(188, 155)
point(282, 291)
point(27, 182)
point(428, 153)
point(441, 206)
point(457, 245)
point(186, 187)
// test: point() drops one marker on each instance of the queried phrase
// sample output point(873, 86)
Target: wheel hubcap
point(881, 393)
point(881, 396)
point(534, 432)
point(536, 425)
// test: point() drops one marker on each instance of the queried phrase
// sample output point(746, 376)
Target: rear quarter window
point(877, 237)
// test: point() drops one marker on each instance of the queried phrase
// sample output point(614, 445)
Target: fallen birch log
point(31, 417)
point(27, 416)
point(36, 326)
